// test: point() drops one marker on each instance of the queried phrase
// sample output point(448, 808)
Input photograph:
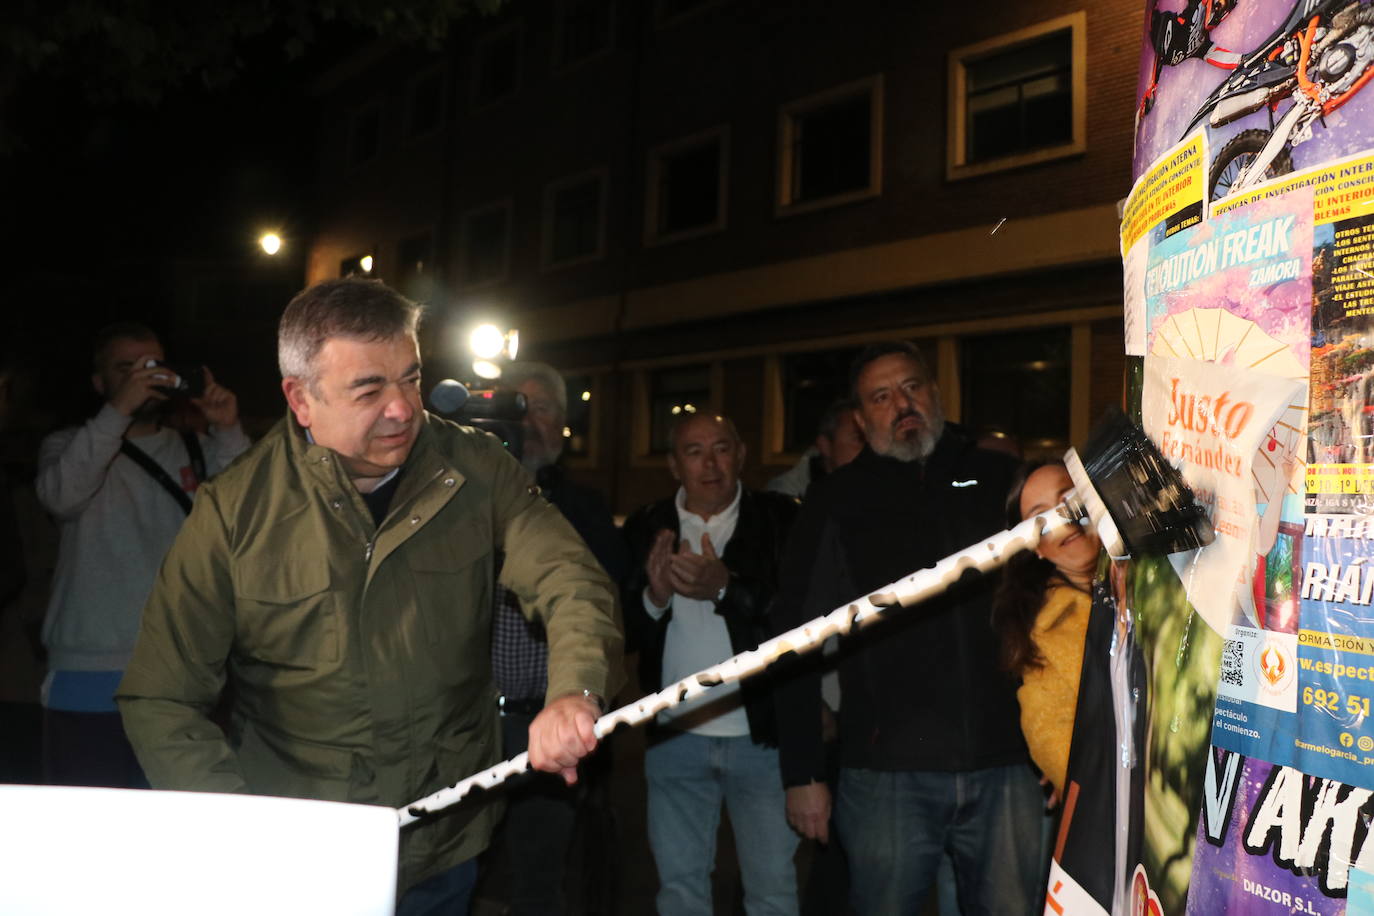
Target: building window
point(811, 382)
point(364, 135)
point(687, 187)
point(583, 30)
point(484, 244)
point(674, 392)
point(1016, 386)
point(425, 105)
point(830, 147)
point(496, 73)
point(1018, 99)
point(415, 270)
point(575, 220)
point(579, 441)
point(359, 265)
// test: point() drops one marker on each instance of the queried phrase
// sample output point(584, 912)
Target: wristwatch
point(595, 698)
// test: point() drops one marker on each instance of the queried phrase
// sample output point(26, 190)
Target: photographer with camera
point(119, 486)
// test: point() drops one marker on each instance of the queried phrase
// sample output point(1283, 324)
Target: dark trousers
point(530, 853)
point(448, 893)
point(88, 749)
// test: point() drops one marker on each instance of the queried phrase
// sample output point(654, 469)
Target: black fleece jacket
point(922, 690)
point(753, 556)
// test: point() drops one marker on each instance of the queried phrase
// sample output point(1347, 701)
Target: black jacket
point(587, 511)
point(921, 690)
point(753, 557)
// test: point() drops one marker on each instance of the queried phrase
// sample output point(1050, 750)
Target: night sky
point(110, 204)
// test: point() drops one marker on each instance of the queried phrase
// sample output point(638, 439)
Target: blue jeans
point(689, 775)
point(895, 826)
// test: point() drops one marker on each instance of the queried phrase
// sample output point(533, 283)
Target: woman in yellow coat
point(1041, 612)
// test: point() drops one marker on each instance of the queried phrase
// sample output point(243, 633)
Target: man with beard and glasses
point(120, 486)
point(338, 581)
point(931, 753)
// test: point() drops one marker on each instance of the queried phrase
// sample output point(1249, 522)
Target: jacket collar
point(949, 452)
point(322, 462)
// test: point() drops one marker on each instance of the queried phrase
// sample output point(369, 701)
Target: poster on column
point(1274, 840)
point(1340, 472)
point(1302, 697)
point(1247, 112)
point(1232, 294)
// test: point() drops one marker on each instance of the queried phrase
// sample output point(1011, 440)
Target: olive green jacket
point(358, 656)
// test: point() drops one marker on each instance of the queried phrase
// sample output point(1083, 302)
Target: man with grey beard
point(931, 754)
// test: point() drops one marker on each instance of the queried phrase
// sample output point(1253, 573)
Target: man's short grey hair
point(350, 307)
point(515, 374)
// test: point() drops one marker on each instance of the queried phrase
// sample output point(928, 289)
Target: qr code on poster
point(1233, 663)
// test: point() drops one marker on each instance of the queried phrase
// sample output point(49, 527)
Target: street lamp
point(270, 242)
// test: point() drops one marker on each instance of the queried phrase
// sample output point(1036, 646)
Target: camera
point(183, 381)
point(500, 413)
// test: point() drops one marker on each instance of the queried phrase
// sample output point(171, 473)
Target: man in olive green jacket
point(339, 577)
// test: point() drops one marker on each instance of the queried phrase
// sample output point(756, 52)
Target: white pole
point(916, 587)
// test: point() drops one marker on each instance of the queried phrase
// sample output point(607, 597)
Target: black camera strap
point(156, 471)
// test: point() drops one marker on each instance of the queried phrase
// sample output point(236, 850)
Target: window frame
point(946, 338)
point(436, 73)
point(957, 165)
point(784, 204)
point(551, 189)
point(426, 231)
point(598, 382)
point(480, 49)
point(642, 454)
point(371, 107)
point(465, 220)
point(720, 133)
point(560, 64)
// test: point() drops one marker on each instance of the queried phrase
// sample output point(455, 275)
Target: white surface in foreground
point(113, 851)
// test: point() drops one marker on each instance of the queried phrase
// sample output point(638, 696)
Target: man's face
point(120, 357)
point(899, 408)
point(844, 446)
point(543, 425)
point(364, 403)
point(706, 459)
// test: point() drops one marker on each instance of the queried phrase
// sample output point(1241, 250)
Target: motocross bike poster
point(1241, 747)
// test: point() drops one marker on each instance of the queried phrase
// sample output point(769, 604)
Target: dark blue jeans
point(895, 826)
point(445, 894)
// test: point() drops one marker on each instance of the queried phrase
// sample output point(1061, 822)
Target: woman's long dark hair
point(1022, 591)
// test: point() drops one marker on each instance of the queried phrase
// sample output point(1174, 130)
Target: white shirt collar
point(728, 514)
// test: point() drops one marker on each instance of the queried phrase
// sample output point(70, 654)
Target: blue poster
point(1298, 691)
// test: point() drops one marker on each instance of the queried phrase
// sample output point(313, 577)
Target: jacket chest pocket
point(286, 612)
point(452, 577)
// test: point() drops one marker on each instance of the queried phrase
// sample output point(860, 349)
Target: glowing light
point(485, 368)
point(690, 408)
point(365, 262)
point(270, 242)
point(567, 432)
point(512, 342)
point(676, 410)
point(486, 341)
point(586, 395)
